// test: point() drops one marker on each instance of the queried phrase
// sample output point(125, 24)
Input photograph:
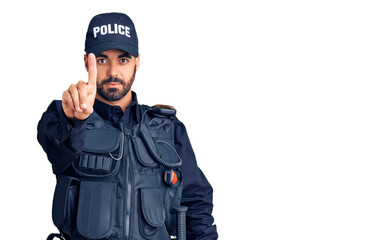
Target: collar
point(106, 111)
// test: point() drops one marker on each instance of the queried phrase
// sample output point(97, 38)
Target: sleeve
point(60, 137)
point(197, 193)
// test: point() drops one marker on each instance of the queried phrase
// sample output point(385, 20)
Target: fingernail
point(84, 105)
point(79, 109)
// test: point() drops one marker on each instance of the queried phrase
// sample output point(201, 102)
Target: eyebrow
point(102, 55)
point(127, 55)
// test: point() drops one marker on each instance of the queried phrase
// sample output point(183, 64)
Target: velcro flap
point(142, 153)
point(152, 206)
point(101, 140)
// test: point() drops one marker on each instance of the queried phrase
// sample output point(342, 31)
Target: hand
point(78, 100)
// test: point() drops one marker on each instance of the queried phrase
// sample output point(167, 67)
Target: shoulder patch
point(163, 106)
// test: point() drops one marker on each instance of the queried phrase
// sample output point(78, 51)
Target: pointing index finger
point(92, 71)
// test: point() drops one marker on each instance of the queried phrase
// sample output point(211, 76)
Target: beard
point(115, 94)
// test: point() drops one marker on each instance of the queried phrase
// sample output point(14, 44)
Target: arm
point(60, 137)
point(61, 130)
point(197, 192)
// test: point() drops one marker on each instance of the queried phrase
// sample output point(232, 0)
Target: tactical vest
point(126, 185)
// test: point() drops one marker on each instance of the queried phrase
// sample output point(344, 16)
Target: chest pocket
point(152, 152)
point(102, 151)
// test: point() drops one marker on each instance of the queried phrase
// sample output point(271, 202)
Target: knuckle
point(66, 95)
point(81, 84)
point(72, 88)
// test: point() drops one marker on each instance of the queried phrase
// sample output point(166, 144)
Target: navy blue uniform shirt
point(62, 140)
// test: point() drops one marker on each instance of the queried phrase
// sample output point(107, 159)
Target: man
point(124, 170)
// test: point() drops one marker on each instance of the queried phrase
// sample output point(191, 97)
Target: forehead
point(113, 53)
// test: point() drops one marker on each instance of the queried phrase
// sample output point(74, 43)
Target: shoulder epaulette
point(162, 109)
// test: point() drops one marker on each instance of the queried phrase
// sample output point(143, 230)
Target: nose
point(113, 70)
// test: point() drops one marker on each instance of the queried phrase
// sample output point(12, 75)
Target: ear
point(86, 62)
point(137, 61)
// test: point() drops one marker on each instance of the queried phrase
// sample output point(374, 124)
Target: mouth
point(112, 84)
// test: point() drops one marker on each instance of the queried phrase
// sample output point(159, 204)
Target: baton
point(181, 222)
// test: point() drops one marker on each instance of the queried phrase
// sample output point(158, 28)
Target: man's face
point(116, 70)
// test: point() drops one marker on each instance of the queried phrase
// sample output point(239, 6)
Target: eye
point(101, 60)
point(124, 60)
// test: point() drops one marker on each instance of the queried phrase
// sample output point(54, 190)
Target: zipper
point(128, 176)
point(127, 199)
point(131, 194)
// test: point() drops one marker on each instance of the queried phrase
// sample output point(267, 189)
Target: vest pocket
point(152, 152)
point(143, 156)
point(65, 204)
point(102, 152)
point(95, 210)
point(152, 216)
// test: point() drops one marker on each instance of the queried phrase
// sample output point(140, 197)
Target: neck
point(123, 102)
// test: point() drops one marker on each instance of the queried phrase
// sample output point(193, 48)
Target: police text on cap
point(107, 29)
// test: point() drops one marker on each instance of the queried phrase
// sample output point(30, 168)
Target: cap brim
point(98, 48)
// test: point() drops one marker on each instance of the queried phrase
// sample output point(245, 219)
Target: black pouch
point(95, 214)
point(102, 150)
point(65, 202)
point(152, 211)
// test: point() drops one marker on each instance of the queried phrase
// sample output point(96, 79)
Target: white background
point(287, 105)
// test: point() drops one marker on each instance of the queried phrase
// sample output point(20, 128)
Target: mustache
point(111, 79)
